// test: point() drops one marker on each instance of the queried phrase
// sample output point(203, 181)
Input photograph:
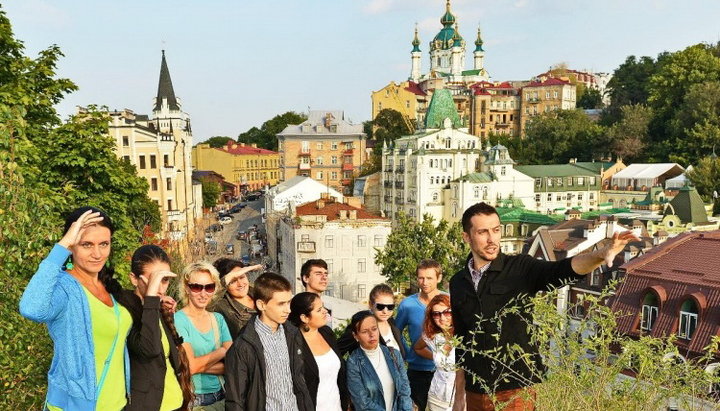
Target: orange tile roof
point(239, 149)
point(332, 211)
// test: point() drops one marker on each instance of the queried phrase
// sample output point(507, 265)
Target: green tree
point(705, 176)
point(696, 125)
point(557, 136)
point(590, 99)
point(411, 241)
point(629, 85)
point(630, 135)
point(265, 136)
point(218, 141)
point(389, 125)
point(211, 193)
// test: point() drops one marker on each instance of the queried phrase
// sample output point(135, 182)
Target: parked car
point(237, 208)
point(241, 236)
point(252, 197)
point(245, 259)
point(229, 249)
point(224, 214)
point(225, 220)
point(211, 247)
point(215, 227)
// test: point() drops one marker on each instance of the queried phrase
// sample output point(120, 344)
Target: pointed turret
point(165, 88)
point(479, 42)
point(416, 41)
point(442, 106)
point(448, 19)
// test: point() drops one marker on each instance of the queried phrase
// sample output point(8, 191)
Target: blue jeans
point(209, 398)
point(419, 386)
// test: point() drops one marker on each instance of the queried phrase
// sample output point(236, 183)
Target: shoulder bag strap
point(106, 366)
point(216, 332)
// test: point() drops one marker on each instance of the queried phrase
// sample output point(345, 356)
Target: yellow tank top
point(172, 397)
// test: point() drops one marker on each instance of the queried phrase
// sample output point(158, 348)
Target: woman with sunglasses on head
point(325, 375)
point(73, 291)
point(236, 303)
point(205, 334)
point(382, 306)
point(160, 372)
point(436, 344)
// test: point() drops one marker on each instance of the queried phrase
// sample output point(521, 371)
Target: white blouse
point(377, 359)
point(328, 394)
point(442, 386)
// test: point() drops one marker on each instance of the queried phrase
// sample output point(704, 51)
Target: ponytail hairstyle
point(141, 258)
point(106, 274)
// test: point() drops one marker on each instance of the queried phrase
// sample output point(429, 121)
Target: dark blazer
point(312, 374)
point(147, 359)
point(508, 279)
point(245, 370)
point(347, 342)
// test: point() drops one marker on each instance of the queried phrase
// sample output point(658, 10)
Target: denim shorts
point(209, 398)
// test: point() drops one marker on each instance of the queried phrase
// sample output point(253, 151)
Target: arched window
point(476, 192)
point(688, 319)
point(435, 197)
point(650, 309)
point(509, 230)
point(432, 180)
point(524, 230)
point(485, 193)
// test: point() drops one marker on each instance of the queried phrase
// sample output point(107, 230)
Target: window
point(334, 145)
point(592, 181)
point(319, 175)
point(319, 145)
point(524, 230)
point(435, 197)
point(592, 196)
point(333, 160)
point(305, 147)
point(581, 180)
point(502, 170)
point(509, 230)
point(595, 278)
point(476, 192)
point(649, 312)
point(126, 141)
point(319, 161)
point(378, 241)
point(142, 162)
point(569, 181)
point(334, 175)
point(361, 265)
point(126, 158)
point(361, 241)
point(329, 241)
point(305, 237)
point(580, 196)
point(153, 184)
point(168, 182)
point(688, 319)
point(549, 197)
point(169, 205)
point(538, 182)
point(549, 182)
point(153, 161)
point(166, 160)
point(361, 291)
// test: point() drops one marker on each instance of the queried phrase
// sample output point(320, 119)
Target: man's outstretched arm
point(586, 263)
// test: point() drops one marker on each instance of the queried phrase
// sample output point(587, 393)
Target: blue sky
point(237, 63)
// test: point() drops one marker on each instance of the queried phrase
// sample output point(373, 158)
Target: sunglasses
point(437, 314)
point(381, 307)
point(196, 288)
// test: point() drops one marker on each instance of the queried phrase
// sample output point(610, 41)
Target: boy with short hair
point(264, 366)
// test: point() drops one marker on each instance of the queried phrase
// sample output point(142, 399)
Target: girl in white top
point(436, 344)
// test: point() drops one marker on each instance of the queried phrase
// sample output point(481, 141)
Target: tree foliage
point(387, 126)
point(218, 141)
point(265, 136)
point(630, 135)
point(211, 193)
point(411, 241)
point(590, 99)
point(629, 85)
point(705, 176)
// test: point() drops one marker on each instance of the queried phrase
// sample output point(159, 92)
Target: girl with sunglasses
point(160, 373)
point(205, 334)
point(382, 306)
point(436, 344)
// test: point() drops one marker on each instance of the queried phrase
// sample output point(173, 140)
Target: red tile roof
point(683, 266)
point(332, 211)
point(239, 149)
point(549, 82)
point(415, 89)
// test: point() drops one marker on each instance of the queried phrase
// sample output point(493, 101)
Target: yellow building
point(495, 109)
point(248, 166)
point(160, 150)
point(543, 96)
point(326, 147)
point(406, 98)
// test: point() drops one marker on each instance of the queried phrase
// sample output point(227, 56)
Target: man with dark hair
point(264, 366)
point(411, 314)
point(314, 276)
point(489, 282)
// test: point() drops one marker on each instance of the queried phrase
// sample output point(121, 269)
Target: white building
point(295, 191)
point(497, 181)
point(345, 235)
point(417, 168)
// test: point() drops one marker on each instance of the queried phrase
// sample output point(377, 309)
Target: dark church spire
point(165, 88)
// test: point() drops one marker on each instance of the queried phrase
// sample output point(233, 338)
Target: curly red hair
point(429, 326)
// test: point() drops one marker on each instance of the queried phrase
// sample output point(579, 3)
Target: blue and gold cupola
point(416, 41)
point(448, 35)
point(479, 42)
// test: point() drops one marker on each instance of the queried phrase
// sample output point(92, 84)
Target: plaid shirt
point(477, 274)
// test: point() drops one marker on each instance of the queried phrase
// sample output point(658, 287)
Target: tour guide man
point(488, 282)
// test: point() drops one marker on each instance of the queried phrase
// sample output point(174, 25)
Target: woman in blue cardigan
point(73, 291)
point(376, 374)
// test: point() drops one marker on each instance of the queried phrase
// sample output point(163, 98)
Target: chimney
point(343, 214)
point(234, 146)
point(320, 204)
point(324, 196)
point(354, 202)
point(353, 214)
point(253, 145)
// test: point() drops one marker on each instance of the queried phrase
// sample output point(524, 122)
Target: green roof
point(471, 72)
point(481, 177)
point(513, 214)
point(589, 215)
point(441, 107)
point(688, 205)
point(595, 166)
point(555, 170)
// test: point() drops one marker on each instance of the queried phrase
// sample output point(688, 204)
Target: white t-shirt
point(442, 386)
point(377, 359)
point(390, 341)
point(328, 394)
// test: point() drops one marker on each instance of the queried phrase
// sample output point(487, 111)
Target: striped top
point(278, 378)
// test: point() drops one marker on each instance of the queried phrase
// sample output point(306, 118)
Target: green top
point(172, 397)
point(203, 344)
point(442, 106)
point(104, 329)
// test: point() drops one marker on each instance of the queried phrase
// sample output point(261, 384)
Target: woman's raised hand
point(154, 279)
point(73, 235)
point(233, 275)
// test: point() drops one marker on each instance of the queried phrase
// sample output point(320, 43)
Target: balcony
point(388, 199)
point(400, 170)
point(411, 201)
point(502, 124)
point(304, 153)
point(346, 181)
point(533, 100)
point(304, 166)
point(387, 184)
point(399, 184)
point(348, 152)
point(398, 200)
point(306, 246)
point(348, 167)
point(389, 169)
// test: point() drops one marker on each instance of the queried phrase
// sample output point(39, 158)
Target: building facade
point(247, 166)
point(160, 148)
point(343, 234)
point(559, 187)
point(325, 147)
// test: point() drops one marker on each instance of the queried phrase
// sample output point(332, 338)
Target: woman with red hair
point(436, 344)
